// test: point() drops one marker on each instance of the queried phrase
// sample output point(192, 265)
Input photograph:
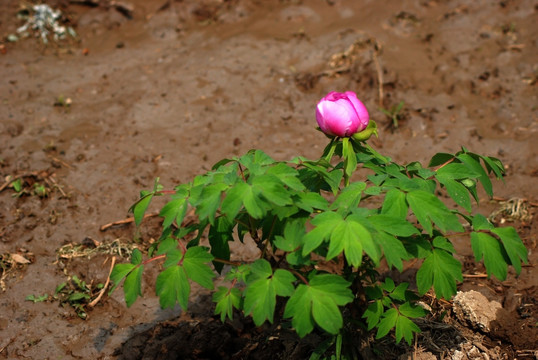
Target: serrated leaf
point(441, 270)
point(309, 201)
point(387, 323)
point(255, 206)
point(233, 200)
point(325, 223)
point(480, 222)
point(373, 314)
point(395, 204)
point(349, 198)
point(196, 266)
point(174, 210)
point(219, 236)
point(393, 225)
point(405, 328)
point(513, 246)
point(209, 201)
point(457, 192)
point(493, 164)
point(427, 208)
point(262, 289)
point(352, 237)
point(173, 286)
point(411, 311)
point(272, 189)
point(226, 299)
point(132, 286)
point(490, 249)
point(287, 175)
point(456, 171)
point(318, 303)
point(474, 164)
point(393, 249)
point(294, 232)
point(441, 242)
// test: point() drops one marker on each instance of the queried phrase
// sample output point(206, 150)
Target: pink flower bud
point(341, 114)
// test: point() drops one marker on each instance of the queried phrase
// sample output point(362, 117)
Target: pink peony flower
point(341, 114)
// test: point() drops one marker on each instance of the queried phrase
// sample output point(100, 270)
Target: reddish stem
point(158, 257)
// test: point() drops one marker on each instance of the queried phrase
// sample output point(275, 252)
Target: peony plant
point(321, 236)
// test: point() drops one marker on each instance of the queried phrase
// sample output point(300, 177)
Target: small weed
point(38, 298)
point(394, 114)
point(74, 292)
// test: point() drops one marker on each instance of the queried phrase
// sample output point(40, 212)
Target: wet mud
point(167, 88)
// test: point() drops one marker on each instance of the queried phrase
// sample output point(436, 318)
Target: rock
point(474, 308)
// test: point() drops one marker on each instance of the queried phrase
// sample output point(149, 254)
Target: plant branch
point(444, 164)
point(158, 257)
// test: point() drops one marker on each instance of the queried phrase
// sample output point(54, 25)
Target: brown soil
point(174, 86)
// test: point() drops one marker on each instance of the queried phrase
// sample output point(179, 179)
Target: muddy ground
point(166, 88)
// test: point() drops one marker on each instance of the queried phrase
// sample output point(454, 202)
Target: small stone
point(474, 308)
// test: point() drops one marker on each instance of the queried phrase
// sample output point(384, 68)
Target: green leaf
point(480, 222)
point(226, 300)
point(325, 223)
point(349, 198)
point(234, 200)
point(174, 210)
point(411, 311)
point(427, 207)
point(221, 163)
point(119, 273)
point(196, 267)
point(441, 242)
point(287, 175)
point(387, 323)
point(78, 296)
point(393, 249)
point(350, 159)
point(405, 328)
point(457, 192)
point(262, 158)
point(475, 166)
point(489, 248)
point(294, 232)
point(136, 257)
point(309, 201)
point(272, 189)
point(494, 165)
point(262, 289)
point(219, 236)
point(255, 205)
point(173, 286)
point(373, 314)
point(139, 208)
point(352, 237)
point(395, 204)
point(513, 246)
point(440, 159)
point(317, 303)
point(441, 270)
point(132, 286)
point(210, 201)
point(393, 225)
point(457, 171)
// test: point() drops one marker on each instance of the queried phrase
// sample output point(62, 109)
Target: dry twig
point(102, 292)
